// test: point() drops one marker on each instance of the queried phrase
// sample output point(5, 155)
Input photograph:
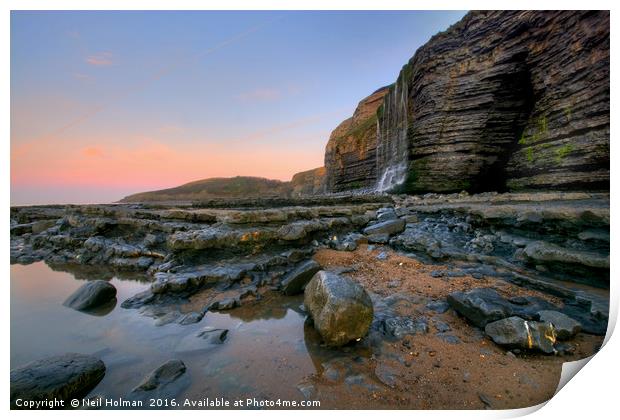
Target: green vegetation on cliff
point(237, 187)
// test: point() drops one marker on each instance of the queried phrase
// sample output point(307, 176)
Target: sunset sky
point(105, 104)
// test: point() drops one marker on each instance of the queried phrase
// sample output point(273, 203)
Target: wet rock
point(65, 377)
point(167, 381)
point(162, 376)
point(565, 326)
point(340, 308)
point(205, 339)
point(179, 282)
point(191, 318)
point(91, 295)
point(448, 338)
point(439, 306)
point(587, 235)
point(441, 326)
point(42, 225)
point(139, 300)
point(480, 306)
point(515, 332)
point(167, 318)
point(418, 240)
point(389, 227)
point(481, 243)
point(378, 238)
point(385, 214)
point(486, 400)
point(307, 390)
point(295, 281)
point(361, 380)
point(545, 252)
point(224, 304)
point(398, 327)
point(564, 349)
point(386, 374)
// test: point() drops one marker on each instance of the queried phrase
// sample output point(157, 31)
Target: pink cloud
point(92, 151)
point(100, 59)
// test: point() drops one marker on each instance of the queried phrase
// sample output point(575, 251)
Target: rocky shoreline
point(529, 272)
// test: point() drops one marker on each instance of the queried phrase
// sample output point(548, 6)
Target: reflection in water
point(266, 353)
point(101, 310)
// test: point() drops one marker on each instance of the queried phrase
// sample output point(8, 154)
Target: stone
point(191, 318)
point(382, 256)
point(163, 375)
point(439, 306)
point(224, 304)
point(565, 326)
point(42, 225)
point(388, 227)
point(515, 332)
point(386, 214)
point(205, 339)
point(340, 308)
point(448, 338)
point(91, 295)
point(65, 377)
point(441, 326)
point(295, 281)
point(307, 390)
point(480, 306)
point(545, 252)
point(378, 238)
point(398, 327)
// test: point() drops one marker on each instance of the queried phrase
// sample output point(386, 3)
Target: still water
point(266, 354)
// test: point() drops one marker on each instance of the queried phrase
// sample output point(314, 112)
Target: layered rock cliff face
point(350, 154)
point(505, 100)
point(309, 183)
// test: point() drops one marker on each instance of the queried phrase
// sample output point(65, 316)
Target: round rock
point(340, 308)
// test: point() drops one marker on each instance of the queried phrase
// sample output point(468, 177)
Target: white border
point(592, 395)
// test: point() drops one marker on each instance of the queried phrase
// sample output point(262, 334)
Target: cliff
point(217, 188)
point(309, 183)
point(507, 100)
point(350, 154)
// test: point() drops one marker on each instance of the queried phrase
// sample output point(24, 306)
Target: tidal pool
point(267, 353)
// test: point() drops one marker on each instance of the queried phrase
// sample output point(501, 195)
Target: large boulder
point(64, 377)
point(389, 227)
point(91, 295)
point(340, 308)
point(565, 326)
point(515, 332)
point(295, 281)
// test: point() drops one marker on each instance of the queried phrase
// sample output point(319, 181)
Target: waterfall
point(392, 145)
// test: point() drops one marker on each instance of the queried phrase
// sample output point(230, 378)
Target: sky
point(108, 103)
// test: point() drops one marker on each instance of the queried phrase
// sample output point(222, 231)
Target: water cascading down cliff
point(501, 101)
